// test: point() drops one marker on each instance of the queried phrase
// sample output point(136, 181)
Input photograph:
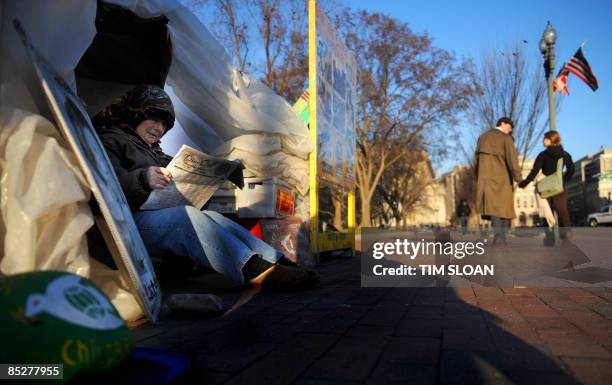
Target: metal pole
point(550, 58)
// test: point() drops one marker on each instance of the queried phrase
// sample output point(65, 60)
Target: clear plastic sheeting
point(44, 207)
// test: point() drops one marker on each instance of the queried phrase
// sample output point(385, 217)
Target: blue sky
point(469, 27)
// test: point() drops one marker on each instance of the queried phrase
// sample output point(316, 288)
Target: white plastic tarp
point(44, 207)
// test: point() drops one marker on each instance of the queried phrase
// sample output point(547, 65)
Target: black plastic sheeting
point(127, 49)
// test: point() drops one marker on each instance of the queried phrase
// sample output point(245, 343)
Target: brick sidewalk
point(345, 334)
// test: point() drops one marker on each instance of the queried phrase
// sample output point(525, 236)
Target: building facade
point(526, 207)
point(432, 211)
point(591, 186)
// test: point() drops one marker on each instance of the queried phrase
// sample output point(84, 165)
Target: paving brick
point(403, 374)
point(583, 316)
point(577, 346)
point(412, 350)
point(159, 342)
point(591, 301)
point(209, 344)
point(467, 340)
point(460, 308)
point(401, 296)
point(234, 357)
point(575, 292)
point(435, 312)
point(604, 310)
point(464, 321)
point(420, 327)
point(520, 292)
point(429, 297)
point(491, 303)
point(590, 371)
point(514, 335)
point(290, 326)
point(525, 377)
point(288, 361)
point(565, 304)
point(339, 321)
point(204, 377)
point(488, 292)
point(286, 308)
point(324, 381)
point(461, 294)
point(552, 324)
point(504, 316)
point(533, 357)
point(352, 359)
point(383, 316)
point(542, 311)
point(466, 368)
point(525, 302)
point(606, 293)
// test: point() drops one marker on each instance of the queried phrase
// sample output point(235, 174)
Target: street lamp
point(547, 47)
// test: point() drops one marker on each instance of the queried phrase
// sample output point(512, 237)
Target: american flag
point(560, 83)
point(579, 66)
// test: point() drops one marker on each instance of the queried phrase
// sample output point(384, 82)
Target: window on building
point(592, 170)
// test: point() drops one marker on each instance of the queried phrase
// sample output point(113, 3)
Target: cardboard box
point(265, 198)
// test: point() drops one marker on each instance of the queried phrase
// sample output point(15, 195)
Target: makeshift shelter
point(101, 49)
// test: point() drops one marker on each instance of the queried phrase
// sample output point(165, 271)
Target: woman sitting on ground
point(130, 130)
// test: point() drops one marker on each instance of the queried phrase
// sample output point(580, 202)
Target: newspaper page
point(195, 177)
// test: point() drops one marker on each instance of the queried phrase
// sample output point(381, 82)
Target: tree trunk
point(366, 220)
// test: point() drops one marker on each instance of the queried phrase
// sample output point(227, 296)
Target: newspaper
point(195, 177)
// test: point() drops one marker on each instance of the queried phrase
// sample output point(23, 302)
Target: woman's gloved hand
point(158, 177)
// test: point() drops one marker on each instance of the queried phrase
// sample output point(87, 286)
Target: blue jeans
point(207, 237)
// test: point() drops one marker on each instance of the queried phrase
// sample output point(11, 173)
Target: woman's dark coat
point(131, 156)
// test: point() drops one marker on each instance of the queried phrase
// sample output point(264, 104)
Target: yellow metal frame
point(322, 241)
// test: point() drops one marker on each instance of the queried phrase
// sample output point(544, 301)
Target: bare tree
point(267, 38)
point(511, 84)
point(403, 185)
point(283, 28)
point(237, 29)
point(407, 89)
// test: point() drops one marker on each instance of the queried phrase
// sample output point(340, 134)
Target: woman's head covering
point(142, 102)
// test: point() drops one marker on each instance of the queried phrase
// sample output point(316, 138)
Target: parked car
point(604, 216)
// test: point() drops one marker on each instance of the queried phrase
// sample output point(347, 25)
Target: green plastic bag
point(52, 317)
point(552, 184)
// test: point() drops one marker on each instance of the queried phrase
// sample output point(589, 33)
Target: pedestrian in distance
point(463, 213)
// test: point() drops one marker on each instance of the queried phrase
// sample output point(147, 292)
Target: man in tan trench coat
point(496, 167)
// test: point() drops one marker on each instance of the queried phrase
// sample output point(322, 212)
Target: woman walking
point(548, 162)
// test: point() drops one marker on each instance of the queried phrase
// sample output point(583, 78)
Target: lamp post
point(547, 47)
